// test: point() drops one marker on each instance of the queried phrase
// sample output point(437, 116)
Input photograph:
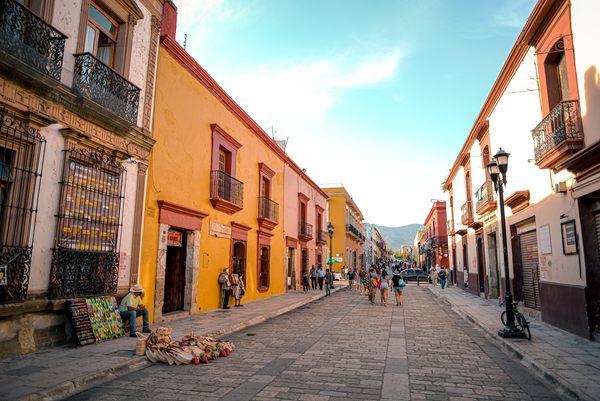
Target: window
point(239, 259)
point(226, 193)
point(265, 266)
point(222, 160)
point(101, 35)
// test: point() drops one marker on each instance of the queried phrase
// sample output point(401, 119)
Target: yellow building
point(348, 236)
point(215, 183)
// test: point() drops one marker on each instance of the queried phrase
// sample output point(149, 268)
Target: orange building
point(215, 183)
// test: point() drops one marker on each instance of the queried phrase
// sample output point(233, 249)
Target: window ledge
point(263, 289)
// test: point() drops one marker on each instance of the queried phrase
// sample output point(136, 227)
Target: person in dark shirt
point(398, 284)
point(351, 277)
point(305, 281)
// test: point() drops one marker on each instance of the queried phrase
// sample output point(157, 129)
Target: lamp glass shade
point(492, 168)
point(502, 159)
point(330, 229)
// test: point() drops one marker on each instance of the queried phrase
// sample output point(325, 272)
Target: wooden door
point(175, 277)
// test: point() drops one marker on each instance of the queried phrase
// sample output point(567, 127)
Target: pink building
point(305, 225)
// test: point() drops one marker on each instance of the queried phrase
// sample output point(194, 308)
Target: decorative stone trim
point(517, 201)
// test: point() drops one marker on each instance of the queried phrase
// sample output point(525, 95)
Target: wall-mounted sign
point(569, 237)
point(530, 226)
point(3, 275)
point(174, 238)
point(545, 242)
point(219, 230)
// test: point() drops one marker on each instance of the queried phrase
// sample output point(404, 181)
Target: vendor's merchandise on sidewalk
point(159, 347)
point(95, 320)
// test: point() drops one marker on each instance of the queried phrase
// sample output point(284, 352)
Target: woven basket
point(140, 344)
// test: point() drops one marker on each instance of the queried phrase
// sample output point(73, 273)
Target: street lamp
point(496, 167)
point(330, 229)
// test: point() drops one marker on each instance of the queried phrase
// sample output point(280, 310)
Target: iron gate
point(85, 259)
point(22, 152)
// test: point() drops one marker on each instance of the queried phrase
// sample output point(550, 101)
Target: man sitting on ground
point(131, 308)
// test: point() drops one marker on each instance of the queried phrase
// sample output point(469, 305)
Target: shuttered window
point(531, 269)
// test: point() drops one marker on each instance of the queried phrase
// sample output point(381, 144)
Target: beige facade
point(76, 91)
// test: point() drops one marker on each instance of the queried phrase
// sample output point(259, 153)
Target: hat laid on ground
point(136, 288)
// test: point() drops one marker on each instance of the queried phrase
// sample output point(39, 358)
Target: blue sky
point(372, 94)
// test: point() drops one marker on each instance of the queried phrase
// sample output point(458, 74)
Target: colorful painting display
point(96, 320)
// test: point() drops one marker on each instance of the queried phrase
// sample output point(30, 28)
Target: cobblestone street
point(342, 347)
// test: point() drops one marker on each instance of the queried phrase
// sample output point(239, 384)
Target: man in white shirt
point(131, 308)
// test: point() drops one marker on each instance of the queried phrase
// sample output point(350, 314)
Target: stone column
point(192, 266)
point(161, 265)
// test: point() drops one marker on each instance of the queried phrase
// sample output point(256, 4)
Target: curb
point(135, 362)
point(564, 387)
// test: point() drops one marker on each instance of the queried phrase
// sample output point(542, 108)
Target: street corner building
point(76, 99)
point(543, 111)
point(432, 243)
point(216, 183)
point(304, 225)
point(346, 245)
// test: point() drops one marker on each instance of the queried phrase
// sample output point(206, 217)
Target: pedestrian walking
point(320, 277)
point(225, 282)
point(361, 280)
point(351, 278)
point(398, 285)
point(466, 277)
point(384, 285)
point(443, 278)
point(305, 281)
point(328, 283)
point(434, 277)
point(372, 279)
point(313, 277)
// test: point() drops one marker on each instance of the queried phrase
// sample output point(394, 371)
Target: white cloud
point(307, 89)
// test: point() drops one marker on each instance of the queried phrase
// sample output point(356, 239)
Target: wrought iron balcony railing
point(450, 226)
point(305, 229)
point(438, 241)
point(223, 186)
point(323, 236)
point(29, 38)
point(466, 213)
point(561, 124)
point(98, 82)
point(268, 209)
point(484, 195)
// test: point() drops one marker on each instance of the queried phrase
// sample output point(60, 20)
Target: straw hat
point(136, 288)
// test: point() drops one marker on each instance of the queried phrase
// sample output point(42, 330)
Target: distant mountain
point(395, 237)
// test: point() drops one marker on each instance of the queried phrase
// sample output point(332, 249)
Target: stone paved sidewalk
point(565, 360)
point(57, 372)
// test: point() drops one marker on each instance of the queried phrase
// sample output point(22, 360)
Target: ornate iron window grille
point(29, 38)
point(98, 82)
point(466, 211)
point(268, 209)
point(305, 260)
point(223, 186)
point(560, 124)
point(239, 259)
point(323, 236)
point(22, 151)
point(85, 260)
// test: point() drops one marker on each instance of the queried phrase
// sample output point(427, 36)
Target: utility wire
point(425, 176)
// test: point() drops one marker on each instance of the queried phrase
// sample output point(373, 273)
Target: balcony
point(438, 241)
point(305, 231)
point(268, 213)
point(322, 237)
point(466, 213)
point(450, 227)
point(559, 135)
point(99, 83)
point(486, 198)
point(226, 193)
point(29, 39)
point(350, 229)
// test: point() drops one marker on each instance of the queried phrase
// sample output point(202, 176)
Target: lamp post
point(330, 230)
point(496, 167)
